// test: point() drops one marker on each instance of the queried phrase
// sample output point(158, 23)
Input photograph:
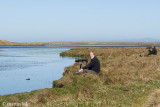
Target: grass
point(125, 80)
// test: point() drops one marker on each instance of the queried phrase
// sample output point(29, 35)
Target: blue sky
point(79, 20)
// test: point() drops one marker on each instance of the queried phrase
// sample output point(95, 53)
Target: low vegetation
point(125, 80)
point(106, 43)
point(7, 43)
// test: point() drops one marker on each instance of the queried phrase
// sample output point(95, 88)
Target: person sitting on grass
point(93, 66)
point(153, 51)
point(150, 52)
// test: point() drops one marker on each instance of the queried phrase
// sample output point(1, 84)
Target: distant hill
point(7, 43)
point(4, 42)
point(146, 41)
point(149, 40)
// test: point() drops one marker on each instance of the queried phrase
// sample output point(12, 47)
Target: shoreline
point(8, 43)
point(123, 81)
point(81, 46)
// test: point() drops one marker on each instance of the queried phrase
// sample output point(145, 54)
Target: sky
point(79, 20)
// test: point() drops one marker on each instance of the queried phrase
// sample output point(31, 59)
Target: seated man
point(153, 52)
point(93, 66)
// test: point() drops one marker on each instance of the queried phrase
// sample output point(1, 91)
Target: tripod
point(80, 67)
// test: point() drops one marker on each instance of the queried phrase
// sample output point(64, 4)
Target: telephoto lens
point(81, 60)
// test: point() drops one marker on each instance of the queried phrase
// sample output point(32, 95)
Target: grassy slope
point(125, 80)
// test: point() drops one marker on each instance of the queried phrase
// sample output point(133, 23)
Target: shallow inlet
point(40, 65)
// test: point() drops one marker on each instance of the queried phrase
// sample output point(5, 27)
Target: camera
point(81, 60)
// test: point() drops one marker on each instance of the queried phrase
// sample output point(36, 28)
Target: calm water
point(41, 65)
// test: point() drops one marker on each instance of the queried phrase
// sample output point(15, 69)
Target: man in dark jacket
point(153, 51)
point(93, 66)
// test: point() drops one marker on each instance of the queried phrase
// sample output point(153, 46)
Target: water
point(41, 65)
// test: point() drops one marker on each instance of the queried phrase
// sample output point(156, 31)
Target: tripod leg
point(80, 67)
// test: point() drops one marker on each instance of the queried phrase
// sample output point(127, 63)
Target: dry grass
point(154, 99)
point(123, 66)
point(42, 97)
point(7, 43)
point(123, 63)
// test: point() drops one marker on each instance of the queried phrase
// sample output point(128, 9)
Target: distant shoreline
point(7, 43)
point(81, 46)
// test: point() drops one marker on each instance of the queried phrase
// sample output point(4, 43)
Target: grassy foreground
point(125, 80)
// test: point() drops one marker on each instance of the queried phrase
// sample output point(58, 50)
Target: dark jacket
point(93, 65)
point(154, 52)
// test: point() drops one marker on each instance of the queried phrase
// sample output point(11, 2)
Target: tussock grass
point(124, 68)
point(154, 99)
point(125, 80)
